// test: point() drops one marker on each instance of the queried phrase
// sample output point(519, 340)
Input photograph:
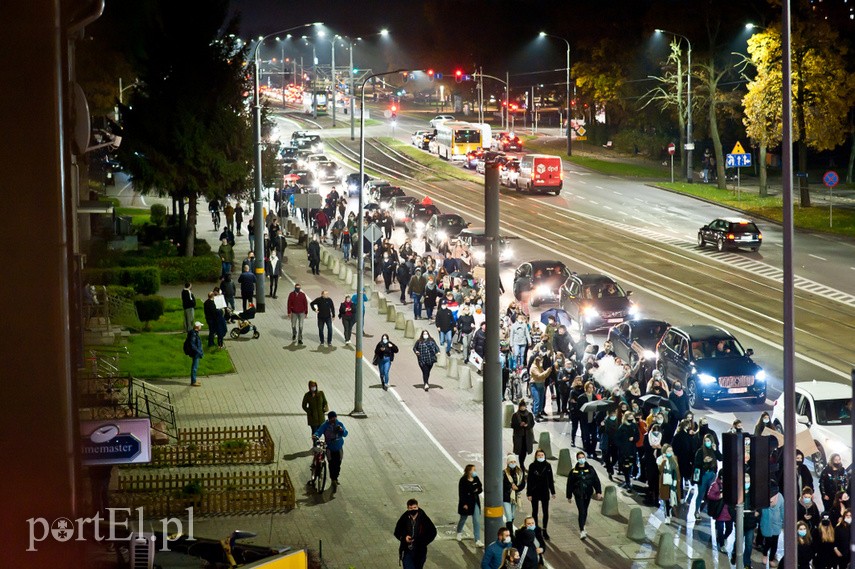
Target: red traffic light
point(393, 108)
point(430, 72)
point(458, 75)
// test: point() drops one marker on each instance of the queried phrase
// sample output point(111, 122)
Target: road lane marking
point(593, 202)
point(618, 193)
point(817, 257)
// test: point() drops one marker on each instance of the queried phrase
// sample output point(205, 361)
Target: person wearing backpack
point(193, 349)
point(719, 511)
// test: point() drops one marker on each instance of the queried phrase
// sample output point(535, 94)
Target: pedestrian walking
point(520, 339)
point(720, 512)
point(209, 307)
point(540, 488)
point(529, 540)
point(298, 308)
point(315, 406)
point(188, 303)
point(495, 551)
point(469, 489)
point(238, 217)
point(522, 425)
point(273, 268)
point(227, 287)
point(832, 479)
point(325, 309)
point(583, 484)
point(384, 355)
point(670, 489)
point(193, 349)
point(842, 538)
point(313, 251)
point(347, 315)
point(426, 350)
point(246, 280)
point(445, 325)
point(415, 531)
point(416, 287)
point(589, 421)
point(333, 432)
point(625, 438)
point(538, 372)
point(229, 210)
point(226, 253)
point(346, 244)
point(750, 518)
point(511, 559)
point(771, 525)
point(513, 483)
point(706, 463)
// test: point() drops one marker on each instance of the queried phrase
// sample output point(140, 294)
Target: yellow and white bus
point(455, 138)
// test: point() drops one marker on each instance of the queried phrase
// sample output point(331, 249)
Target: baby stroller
point(517, 385)
point(242, 319)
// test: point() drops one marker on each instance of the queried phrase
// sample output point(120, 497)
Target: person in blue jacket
point(493, 554)
point(333, 432)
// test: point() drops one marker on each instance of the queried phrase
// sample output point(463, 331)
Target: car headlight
point(399, 215)
point(590, 312)
point(480, 256)
point(633, 309)
point(420, 225)
point(384, 205)
point(760, 375)
point(506, 254)
point(317, 147)
point(441, 235)
point(648, 355)
point(543, 290)
point(706, 378)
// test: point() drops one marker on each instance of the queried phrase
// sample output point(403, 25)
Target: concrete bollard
point(635, 527)
point(391, 313)
point(453, 366)
point(464, 377)
point(610, 505)
point(410, 330)
point(400, 321)
point(477, 388)
point(544, 443)
point(565, 464)
point(375, 297)
point(507, 414)
point(666, 554)
point(348, 275)
point(342, 271)
point(441, 359)
point(325, 256)
point(334, 265)
point(382, 306)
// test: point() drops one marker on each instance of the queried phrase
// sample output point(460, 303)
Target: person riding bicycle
point(214, 208)
point(333, 432)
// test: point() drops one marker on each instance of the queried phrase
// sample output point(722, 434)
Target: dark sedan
point(539, 281)
point(730, 233)
point(636, 340)
point(596, 301)
point(417, 216)
point(399, 205)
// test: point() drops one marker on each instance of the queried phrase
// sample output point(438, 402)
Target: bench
point(609, 145)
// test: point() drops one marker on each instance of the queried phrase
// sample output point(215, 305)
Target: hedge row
point(144, 280)
point(178, 270)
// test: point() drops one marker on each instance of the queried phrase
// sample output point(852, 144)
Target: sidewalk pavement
point(412, 444)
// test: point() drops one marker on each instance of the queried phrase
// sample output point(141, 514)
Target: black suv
point(352, 182)
point(712, 365)
point(382, 195)
point(595, 301)
point(540, 280)
point(636, 340)
point(417, 216)
point(730, 234)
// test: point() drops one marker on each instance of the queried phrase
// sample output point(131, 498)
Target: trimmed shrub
point(150, 234)
point(161, 250)
point(178, 270)
point(149, 308)
point(158, 214)
point(144, 280)
point(122, 292)
point(201, 248)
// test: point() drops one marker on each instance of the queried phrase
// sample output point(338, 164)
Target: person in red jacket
point(298, 308)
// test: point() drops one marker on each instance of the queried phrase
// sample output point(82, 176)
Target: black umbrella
point(599, 405)
point(560, 316)
point(652, 400)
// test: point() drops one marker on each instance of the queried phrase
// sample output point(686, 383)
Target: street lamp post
point(258, 208)
point(360, 276)
point(566, 92)
point(690, 145)
point(505, 83)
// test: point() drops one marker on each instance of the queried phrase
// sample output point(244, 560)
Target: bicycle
point(215, 217)
point(319, 466)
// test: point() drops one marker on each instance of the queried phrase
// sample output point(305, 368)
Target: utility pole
point(314, 85)
point(492, 370)
point(507, 101)
point(352, 94)
point(332, 79)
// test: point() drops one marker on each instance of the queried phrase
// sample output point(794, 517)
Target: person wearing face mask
point(823, 534)
point(333, 432)
point(513, 483)
point(314, 406)
point(842, 537)
point(566, 376)
point(838, 506)
point(522, 425)
point(806, 547)
point(832, 479)
point(807, 510)
point(750, 519)
point(325, 309)
point(771, 525)
point(625, 438)
point(670, 491)
point(652, 449)
point(426, 350)
point(529, 541)
point(706, 465)
point(804, 478)
point(763, 422)
point(511, 559)
point(588, 420)
point(384, 355)
point(347, 315)
point(540, 488)
point(415, 531)
point(680, 400)
point(298, 308)
point(469, 489)
point(494, 552)
point(583, 484)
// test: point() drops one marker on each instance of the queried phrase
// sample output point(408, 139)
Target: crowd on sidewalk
point(630, 419)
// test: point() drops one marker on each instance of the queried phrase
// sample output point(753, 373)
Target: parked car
point(730, 233)
point(595, 301)
point(443, 227)
point(434, 122)
point(636, 340)
point(540, 281)
point(398, 206)
point(540, 173)
point(475, 241)
point(417, 216)
point(712, 365)
point(823, 407)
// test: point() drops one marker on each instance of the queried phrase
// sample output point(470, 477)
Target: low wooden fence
point(208, 493)
point(215, 446)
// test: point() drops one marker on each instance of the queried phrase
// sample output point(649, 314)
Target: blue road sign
point(437, 75)
point(737, 161)
point(830, 179)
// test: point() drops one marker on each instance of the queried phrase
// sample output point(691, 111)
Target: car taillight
point(760, 236)
point(731, 236)
point(561, 174)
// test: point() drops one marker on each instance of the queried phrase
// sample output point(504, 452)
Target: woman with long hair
point(469, 489)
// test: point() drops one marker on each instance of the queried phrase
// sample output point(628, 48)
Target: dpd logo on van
point(541, 168)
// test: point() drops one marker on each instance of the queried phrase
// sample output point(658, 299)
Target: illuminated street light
point(689, 144)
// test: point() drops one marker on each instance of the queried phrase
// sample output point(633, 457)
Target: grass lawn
point(138, 215)
point(812, 218)
point(437, 164)
point(162, 356)
point(172, 319)
point(616, 166)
